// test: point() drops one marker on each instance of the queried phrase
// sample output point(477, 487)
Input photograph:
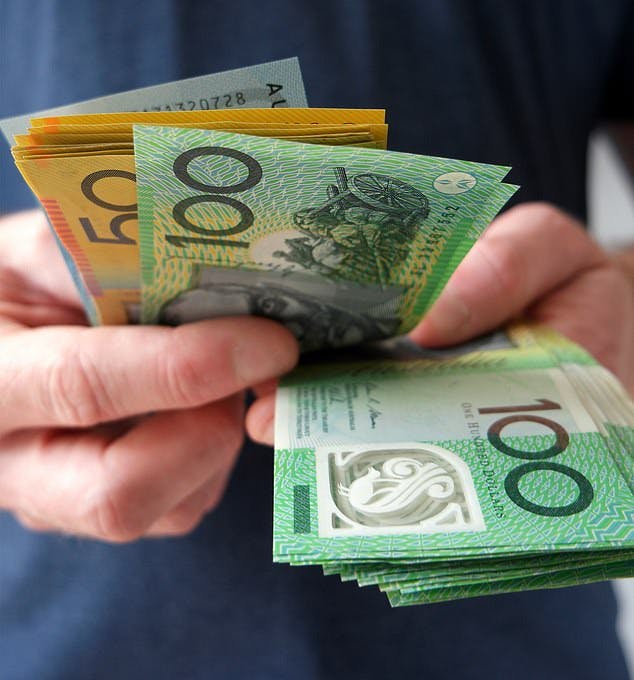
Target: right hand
point(116, 432)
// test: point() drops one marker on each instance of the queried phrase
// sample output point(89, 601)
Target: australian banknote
point(339, 244)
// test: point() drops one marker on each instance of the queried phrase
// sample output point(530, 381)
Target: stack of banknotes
point(491, 470)
point(481, 470)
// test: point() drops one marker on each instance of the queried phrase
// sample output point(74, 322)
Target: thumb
point(78, 377)
point(526, 253)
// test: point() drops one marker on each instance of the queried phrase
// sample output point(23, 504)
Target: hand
point(534, 260)
point(538, 261)
point(115, 432)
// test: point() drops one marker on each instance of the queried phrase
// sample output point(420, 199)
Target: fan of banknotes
point(495, 469)
point(485, 470)
point(298, 214)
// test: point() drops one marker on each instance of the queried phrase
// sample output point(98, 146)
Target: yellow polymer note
point(91, 204)
point(308, 116)
point(72, 128)
point(103, 134)
point(23, 153)
point(39, 143)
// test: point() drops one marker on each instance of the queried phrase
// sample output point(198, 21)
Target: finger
point(579, 308)
point(90, 484)
point(77, 377)
point(187, 515)
point(173, 452)
point(27, 237)
point(15, 316)
point(527, 252)
point(260, 420)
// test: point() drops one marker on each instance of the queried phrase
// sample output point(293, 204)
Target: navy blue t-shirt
point(517, 83)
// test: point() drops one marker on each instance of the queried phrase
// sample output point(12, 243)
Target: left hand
point(534, 260)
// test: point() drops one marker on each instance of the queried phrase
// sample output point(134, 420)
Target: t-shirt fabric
point(521, 83)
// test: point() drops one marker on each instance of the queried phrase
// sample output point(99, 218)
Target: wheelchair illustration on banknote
point(367, 224)
point(379, 198)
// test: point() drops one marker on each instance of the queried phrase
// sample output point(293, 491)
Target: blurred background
point(611, 219)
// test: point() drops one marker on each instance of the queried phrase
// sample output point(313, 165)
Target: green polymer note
point(460, 576)
point(339, 244)
point(391, 575)
point(564, 578)
point(491, 453)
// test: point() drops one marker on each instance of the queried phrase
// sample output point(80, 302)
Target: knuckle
point(229, 434)
point(29, 522)
point(181, 523)
point(110, 519)
point(542, 211)
point(214, 495)
point(233, 436)
point(73, 389)
point(219, 455)
point(539, 211)
point(182, 376)
point(559, 225)
point(506, 265)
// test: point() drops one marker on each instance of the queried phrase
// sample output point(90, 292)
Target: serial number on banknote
point(223, 101)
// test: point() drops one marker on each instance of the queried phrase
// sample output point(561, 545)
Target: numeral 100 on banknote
point(214, 194)
point(538, 459)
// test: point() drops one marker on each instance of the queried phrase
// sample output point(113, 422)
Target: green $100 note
point(490, 454)
point(339, 244)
